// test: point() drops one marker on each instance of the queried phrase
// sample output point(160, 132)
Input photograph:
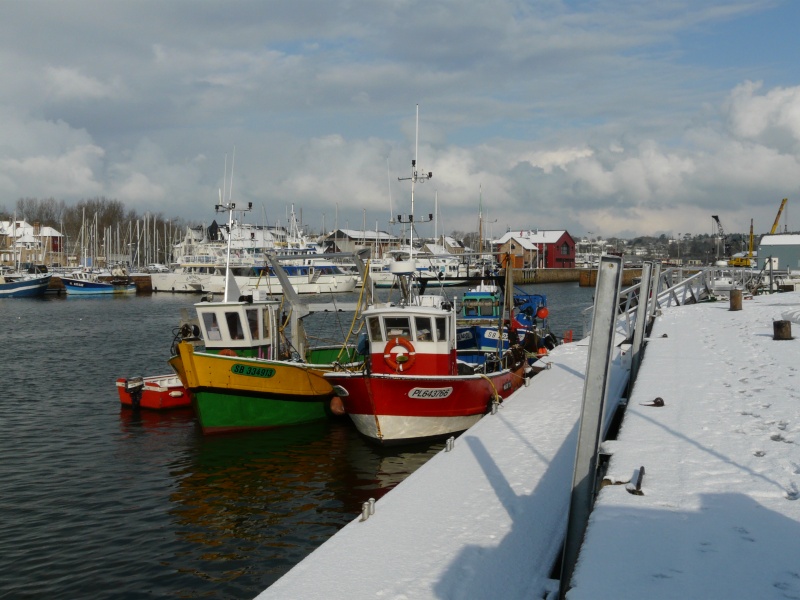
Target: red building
point(552, 249)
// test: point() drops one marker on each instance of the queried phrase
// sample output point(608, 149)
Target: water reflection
point(261, 501)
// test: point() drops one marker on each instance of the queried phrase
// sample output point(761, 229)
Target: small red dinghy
point(158, 392)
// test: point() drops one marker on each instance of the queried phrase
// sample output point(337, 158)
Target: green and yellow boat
point(243, 374)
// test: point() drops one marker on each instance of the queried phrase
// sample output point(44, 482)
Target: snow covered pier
point(713, 418)
point(719, 510)
point(484, 520)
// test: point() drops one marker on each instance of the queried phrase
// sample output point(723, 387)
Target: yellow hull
point(235, 393)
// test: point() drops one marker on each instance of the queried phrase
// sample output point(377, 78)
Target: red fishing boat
point(413, 387)
point(158, 392)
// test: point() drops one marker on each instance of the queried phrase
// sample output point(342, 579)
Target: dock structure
point(483, 520)
point(700, 496)
point(712, 437)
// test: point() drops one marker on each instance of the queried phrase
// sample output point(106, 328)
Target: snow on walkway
point(485, 520)
point(720, 512)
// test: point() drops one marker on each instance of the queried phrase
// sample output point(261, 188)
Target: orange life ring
point(402, 361)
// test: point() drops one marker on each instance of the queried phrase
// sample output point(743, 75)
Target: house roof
point(529, 239)
point(357, 234)
point(785, 239)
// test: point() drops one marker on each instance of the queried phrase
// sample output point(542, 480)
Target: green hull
point(224, 411)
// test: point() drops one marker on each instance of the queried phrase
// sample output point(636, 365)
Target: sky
point(718, 516)
point(619, 118)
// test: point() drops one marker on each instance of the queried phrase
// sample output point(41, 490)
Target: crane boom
point(778, 216)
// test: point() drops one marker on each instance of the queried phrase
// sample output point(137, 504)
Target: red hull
point(160, 392)
point(407, 408)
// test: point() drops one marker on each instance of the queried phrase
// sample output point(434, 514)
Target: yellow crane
point(745, 261)
point(778, 216)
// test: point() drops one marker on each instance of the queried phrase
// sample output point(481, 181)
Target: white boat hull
point(388, 428)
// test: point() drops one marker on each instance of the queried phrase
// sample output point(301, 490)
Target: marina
point(400, 302)
point(698, 499)
point(100, 501)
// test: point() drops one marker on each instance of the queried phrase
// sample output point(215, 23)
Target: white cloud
point(64, 83)
point(70, 174)
point(589, 116)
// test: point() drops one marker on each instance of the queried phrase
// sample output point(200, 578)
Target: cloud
point(601, 116)
point(70, 84)
point(69, 174)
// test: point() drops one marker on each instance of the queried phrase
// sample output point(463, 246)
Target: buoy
point(337, 406)
point(542, 312)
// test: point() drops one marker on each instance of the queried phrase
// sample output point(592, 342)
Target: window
point(423, 326)
point(398, 327)
point(375, 329)
point(212, 327)
point(441, 329)
point(252, 322)
point(470, 308)
point(486, 307)
point(234, 325)
point(565, 249)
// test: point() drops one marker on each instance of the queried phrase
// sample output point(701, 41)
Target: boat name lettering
point(492, 335)
point(463, 335)
point(433, 393)
point(507, 386)
point(250, 371)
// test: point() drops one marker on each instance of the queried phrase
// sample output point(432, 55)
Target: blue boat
point(24, 286)
point(86, 283)
point(480, 334)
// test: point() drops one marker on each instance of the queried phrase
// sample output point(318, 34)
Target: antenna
point(233, 159)
point(231, 289)
point(389, 180)
point(415, 177)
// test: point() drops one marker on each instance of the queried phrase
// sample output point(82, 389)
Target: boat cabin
point(480, 304)
point(249, 328)
point(414, 340)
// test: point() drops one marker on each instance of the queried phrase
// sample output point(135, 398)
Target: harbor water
point(101, 502)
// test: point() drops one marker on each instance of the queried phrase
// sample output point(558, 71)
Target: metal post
point(656, 278)
point(641, 321)
point(598, 366)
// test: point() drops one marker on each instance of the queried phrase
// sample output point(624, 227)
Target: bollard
point(736, 299)
point(782, 330)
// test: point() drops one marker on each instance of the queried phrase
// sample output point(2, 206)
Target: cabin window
point(424, 330)
point(375, 330)
point(398, 327)
point(487, 307)
point(234, 325)
point(470, 308)
point(441, 329)
point(252, 322)
point(212, 326)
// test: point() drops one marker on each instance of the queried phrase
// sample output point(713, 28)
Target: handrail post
point(595, 389)
point(641, 321)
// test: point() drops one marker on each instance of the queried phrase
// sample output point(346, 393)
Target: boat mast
point(230, 283)
point(415, 176)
